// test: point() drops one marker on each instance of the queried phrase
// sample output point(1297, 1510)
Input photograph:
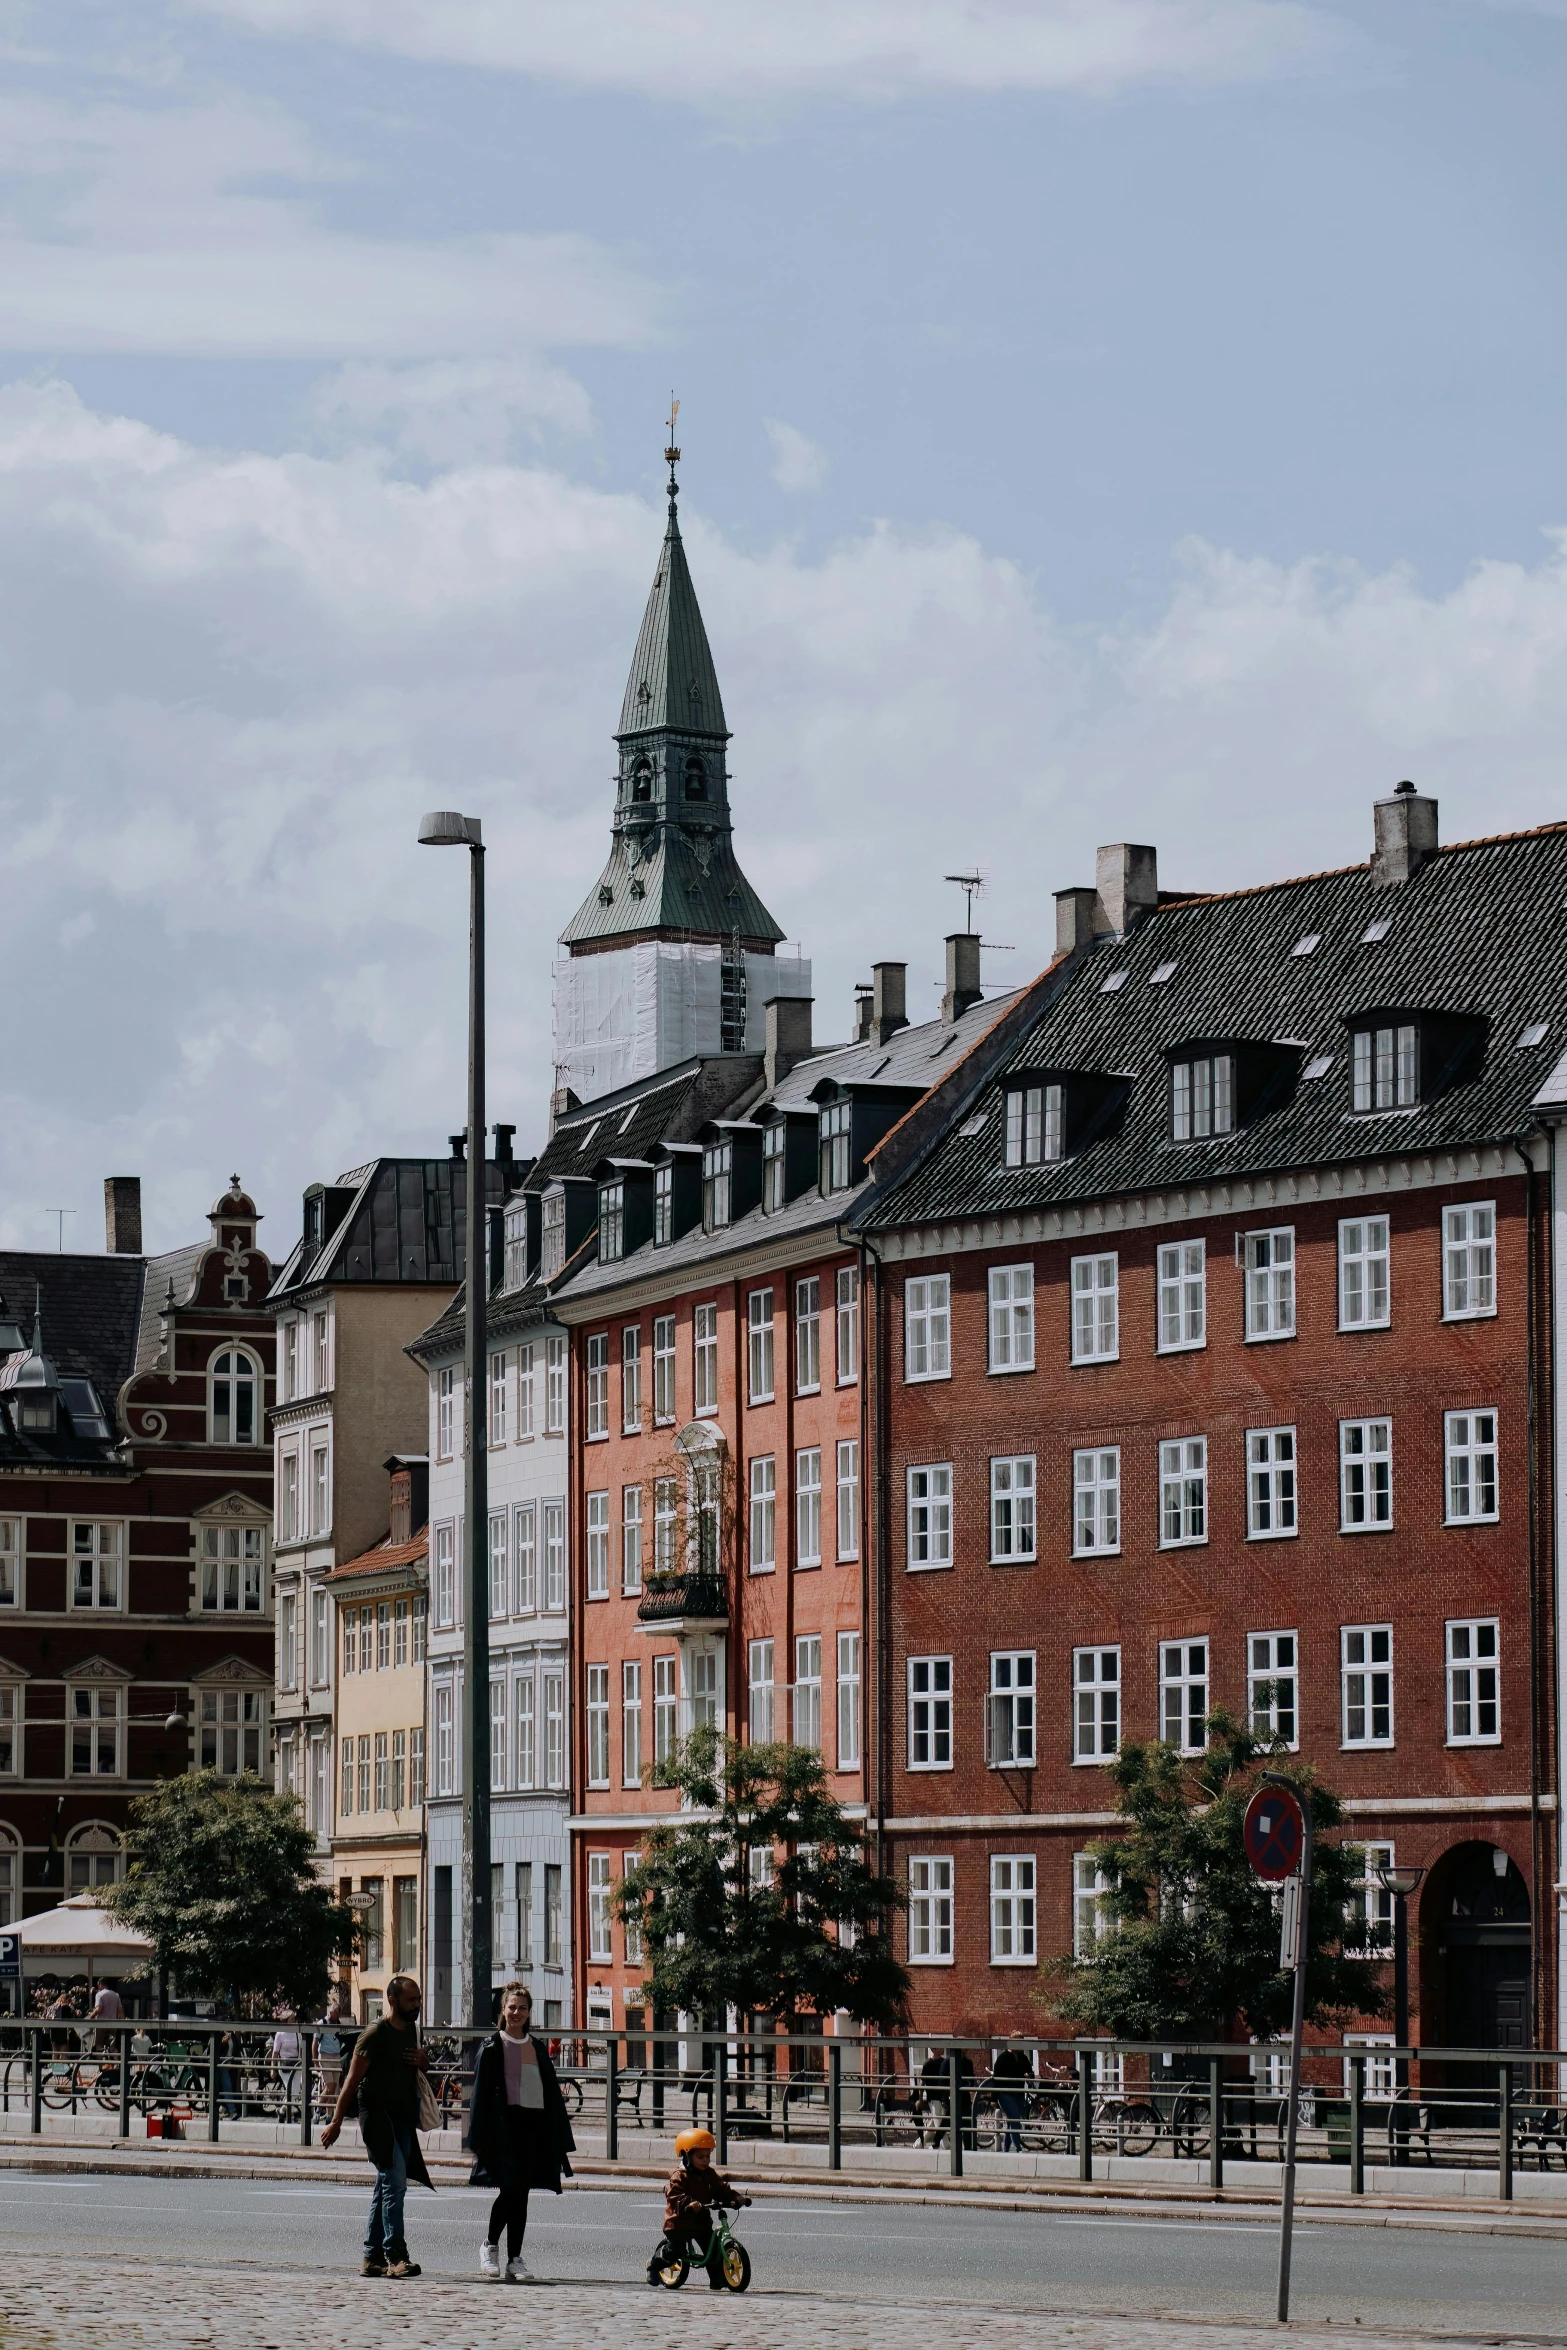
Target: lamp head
point(174, 1723)
point(443, 828)
point(1398, 1880)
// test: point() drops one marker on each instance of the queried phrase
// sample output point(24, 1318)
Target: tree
point(806, 1931)
point(223, 1884)
point(1190, 1936)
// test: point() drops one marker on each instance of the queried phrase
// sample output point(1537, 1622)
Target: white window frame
point(1471, 1467)
point(596, 1527)
point(1202, 1097)
point(761, 1694)
point(762, 1541)
point(600, 1943)
point(663, 1370)
point(1273, 1659)
point(1365, 1656)
point(1181, 1305)
point(101, 1589)
point(242, 1369)
point(1011, 1319)
point(12, 1585)
point(1272, 1485)
point(930, 1713)
point(443, 1575)
point(1365, 1273)
point(552, 1598)
point(1183, 1492)
point(1469, 1261)
point(630, 1538)
point(704, 1361)
point(554, 1679)
point(631, 1722)
point(1096, 1501)
point(1035, 1124)
point(596, 1704)
point(1270, 1284)
point(1096, 1675)
point(1096, 1308)
point(1365, 1498)
point(527, 1377)
point(11, 1727)
point(1374, 1900)
point(525, 1558)
point(1385, 1068)
point(1474, 1681)
point(847, 1326)
point(666, 1706)
point(850, 1724)
point(631, 1379)
point(500, 1396)
point(445, 1412)
point(930, 1909)
point(1012, 1710)
point(808, 1335)
point(525, 1712)
point(1014, 1533)
point(848, 1492)
point(232, 1576)
point(104, 1710)
point(1014, 1913)
point(927, 1328)
point(555, 1387)
point(806, 1693)
point(1090, 1926)
point(500, 1565)
point(1184, 1694)
point(808, 1506)
point(760, 1349)
point(929, 1517)
point(595, 1387)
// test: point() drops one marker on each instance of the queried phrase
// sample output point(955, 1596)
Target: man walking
point(384, 2082)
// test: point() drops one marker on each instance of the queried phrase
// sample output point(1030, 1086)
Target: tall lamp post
point(1401, 1883)
point(443, 830)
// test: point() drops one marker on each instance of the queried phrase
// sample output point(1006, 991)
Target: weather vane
point(671, 453)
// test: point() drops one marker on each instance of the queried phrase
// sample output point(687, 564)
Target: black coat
point(489, 2140)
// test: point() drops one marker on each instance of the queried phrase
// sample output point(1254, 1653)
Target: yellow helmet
point(690, 2140)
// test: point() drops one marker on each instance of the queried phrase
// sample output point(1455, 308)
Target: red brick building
point(1214, 1314)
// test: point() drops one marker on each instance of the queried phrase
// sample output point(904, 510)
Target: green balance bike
point(671, 2264)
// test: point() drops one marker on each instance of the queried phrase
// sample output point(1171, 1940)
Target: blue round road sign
point(1275, 1833)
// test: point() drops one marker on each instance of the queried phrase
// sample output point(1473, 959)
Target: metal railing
point(1088, 2101)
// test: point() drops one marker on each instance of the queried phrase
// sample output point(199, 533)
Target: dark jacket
point(490, 2141)
point(697, 2190)
point(375, 2128)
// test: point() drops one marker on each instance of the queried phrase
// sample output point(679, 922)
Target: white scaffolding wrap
point(622, 1015)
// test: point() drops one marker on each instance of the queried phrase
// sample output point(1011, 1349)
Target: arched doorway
point(1476, 1948)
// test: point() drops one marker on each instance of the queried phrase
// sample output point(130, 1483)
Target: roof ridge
point(1446, 848)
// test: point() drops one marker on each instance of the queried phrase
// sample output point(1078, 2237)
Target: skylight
point(630, 1114)
point(1157, 978)
point(1319, 1067)
point(1307, 945)
point(976, 1124)
point(1375, 932)
point(1536, 1033)
point(1114, 983)
point(588, 1137)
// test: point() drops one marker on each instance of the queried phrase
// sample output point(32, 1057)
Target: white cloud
point(798, 464)
point(141, 228)
point(232, 685)
point(450, 411)
point(705, 50)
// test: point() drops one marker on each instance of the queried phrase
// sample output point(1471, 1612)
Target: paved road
point(1427, 2280)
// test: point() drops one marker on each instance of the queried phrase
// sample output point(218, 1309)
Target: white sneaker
point(490, 2263)
point(519, 2273)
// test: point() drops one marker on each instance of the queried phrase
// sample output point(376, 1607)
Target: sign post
point(1278, 1845)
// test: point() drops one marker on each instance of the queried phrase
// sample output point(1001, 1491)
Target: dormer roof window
point(612, 1223)
point(663, 1206)
point(1036, 1124)
point(515, 1272)
point(717, 1185)
point(1202, 1097)
point(552, 1250)
point(835, 1153)
point(1401, 1058)
point(88, 1417)
point(775, 1144)
point(1387, 1067)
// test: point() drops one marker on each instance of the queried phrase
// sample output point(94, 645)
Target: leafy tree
point(807, 1933)
point(223, 1884)
point(1191, 1936)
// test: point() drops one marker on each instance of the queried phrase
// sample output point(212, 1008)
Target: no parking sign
point(1275, 1833)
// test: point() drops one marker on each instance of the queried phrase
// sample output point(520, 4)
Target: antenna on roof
point(973, 885)
point(61, 1213)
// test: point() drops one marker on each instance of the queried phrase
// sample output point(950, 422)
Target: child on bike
point(688, 2199)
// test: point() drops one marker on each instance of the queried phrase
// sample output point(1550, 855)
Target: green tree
point(1190, 1940)
point(808, 1933)
point(223, 1884)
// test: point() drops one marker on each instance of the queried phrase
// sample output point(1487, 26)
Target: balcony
point(683, 1603)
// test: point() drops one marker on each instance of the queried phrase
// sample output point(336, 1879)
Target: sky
point(1102, 419)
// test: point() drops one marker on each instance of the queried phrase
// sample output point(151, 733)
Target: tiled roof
point(406, 1221)
point(1477, 931)
point(384, 1559)
point(178, 1267)
point(90, 1308)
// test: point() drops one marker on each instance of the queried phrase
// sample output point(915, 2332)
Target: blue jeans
point(385, 2231)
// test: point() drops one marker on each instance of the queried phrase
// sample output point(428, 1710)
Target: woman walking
point(518, 2133)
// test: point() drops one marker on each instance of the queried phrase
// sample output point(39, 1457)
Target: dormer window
point(612, 1223)
point(642, 780)
point(663, 1206)
point(35, 1413)
point(1035, 1124)
point(552, 1241)
point(775, 1143)
point(717, 1185)
point(516, 1268)
point(695, 779)
point(1387, 1067)
point(834, 1150)
point(1202, 1097)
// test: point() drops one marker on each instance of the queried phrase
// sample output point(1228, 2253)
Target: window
point(612, 1223)
point(598, 1545)
point(527, 1357)
point(10, 1562)
point(445, 1758)
point(848, 1497)
point(664, 1522)
point(552, 1234)
point(930, 1713)
point(1183, 1491)
point(364, 1773)
point(233, 1413)
point(525, 1561)
point(930, 1516)
point(599, 1946)
point(233, 1735)
point(500, 1390)
point(930, 1912)
point(1012, 1508)
point(663, 1369)
point(554, 1730)
point(293, 1385)
point(516, 1269)
point(1011, 1317)
point(759, 1691)
point(320, 1489)
point(1468, 1261)
point(555, 1387)
point(367, 1640)
point(416, 1766)
point(97, 1716)
point(598, 1725)
point(1090, 1924)
point(10, 1766)
point(1365, 1287)
point(232, 1562)
point(499, 1564)
point(808, 1335)
point(631, 1538)
point(631, 1380)
point(524, 1714)
point(833, 1146)
point(400, 1632)
point(383, 1621)
point(1012, 1710)
point(1272, 1685)
point(1096, 1720)
point(445, 1410)
point(445, 1576)
point(288, 1641)
point(320, 1640)
point(399, 1768)
point(1096, 1311)
point(927, 1327)
point(596, 1387)
point(1270, 1483)
point(717, 1185)
point(552, 1921)
point(554, 1555)
point(808, 1507)
point(1202, 1097)
point(1183, 1694)
point(346, 1803)
point(759, 1346)
point(764, 1512)
point(1012, 1907)
point(1373, 1902)
point(1183, 1295)
point(666, 1705)
point(775, 1181)
point(848, 1701)
point(808, 1692)
point(1471, 1466)
point(1096, 1500)
point(97, 1562)
point(1386, 1068)
point(848, 1318)
point(1365, 1451)
point(1474, 1706)
point(1270, 1283)
point(421, 1626)
point(704, 1361)
point(1034, 1124)
point(1367, 1661)
point(383, 1771)
point(663, 1205)
point(631, 1724)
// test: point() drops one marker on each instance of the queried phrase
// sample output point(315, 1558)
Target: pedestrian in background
point(1013, 2075)
point(518, 2133)
point(383, 2081)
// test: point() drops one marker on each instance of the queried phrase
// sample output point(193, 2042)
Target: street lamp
point(442, 830)
point(1401, 1883)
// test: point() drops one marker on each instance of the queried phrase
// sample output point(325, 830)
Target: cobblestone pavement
point(49, 2305)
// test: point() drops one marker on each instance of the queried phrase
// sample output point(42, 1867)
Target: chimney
point(963, 986)
point(122, 1215)
point(889, 1010)
point(863, 997)
point(1079, 919)
point(1406, 836)
point(459, 1143)
point(408, 1499)
point(788, 1036)
point(1128, 883)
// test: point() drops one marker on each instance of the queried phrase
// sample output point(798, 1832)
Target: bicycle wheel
point(737, 2266)
point(1055, 2121)
point(989, 2122)
point(571, 2091)
point(1137, 2129)
point(106, 2088)
point(1189, 2126)
point(60, 2086)
point(672, 2274)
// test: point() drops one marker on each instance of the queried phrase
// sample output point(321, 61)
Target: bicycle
point(733, 2259)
